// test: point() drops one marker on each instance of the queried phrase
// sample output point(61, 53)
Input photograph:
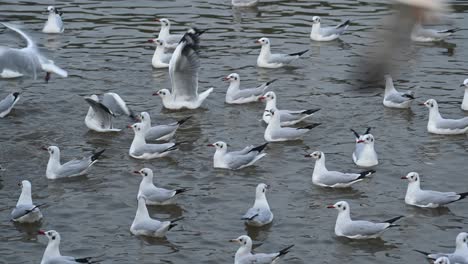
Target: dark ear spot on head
point(53, 238)
point(344, 207)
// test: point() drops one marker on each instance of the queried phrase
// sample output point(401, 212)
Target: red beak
point(422, 104)
point(360, 141)
point(331, 206)
point(156, 93)
point(261, 98)
point(44, 148)
point(226, 78)
point(129, 126)
point(41, 232)
point(210, 145)
point(157, 20)
point(403, 178)
point(257, 42)
point(150, 40)
point(136, 172)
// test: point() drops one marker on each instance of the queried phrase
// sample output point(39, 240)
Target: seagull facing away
point(334, 179)
point(54, 22)
point(160, 132)
point(346, 227)
point(464, 105)
point(72, 168)
point(439, 125)
point(236, 159)
point(141, 150)
point(144, 225)
point(152, 194)
point(364, 154)
point(244, 253)
point(274, 132)
point(287, 117)
point(460, 255)
point(327, 33)
point(420, 34)
point(395, 99)
point(260, 214)
point(244, 3)
point(426, 198)
point(183, 72)
point(160, 57)
point(26, 61)
point(235, 95)
point(25, 211)
point(8, 103)
point(172, 40)
point(268, 60)
point(52, 252)
point(101, 112)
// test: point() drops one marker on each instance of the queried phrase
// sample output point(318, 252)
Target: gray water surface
point(104, 49)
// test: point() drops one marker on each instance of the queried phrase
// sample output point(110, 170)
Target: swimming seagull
point(7, 103)
point(141, 150)
point(439, 125)
point(172, 40)
point(268, 60)
point(321, 176)
point(464, 105)
point(442, 260)
point(152, 194)
point(25, 211)
point(364, 154)
point(420, 34)
point(101, 112)
point(260, 214)
point(54, 22)
point(235, 95)
point(160, 132)
point(236, 159)
point(327, 33)
point(244, 253)
point(75, 167)
point(346, 227)
point(144, 225)
point(426, 198)
point(395, 99)
point(460, 255)
point(52, 252)
point(160, 57)
point(183, 72)
point(18, 62)
point(274, 132)
point(287, 117)
point(244, 3)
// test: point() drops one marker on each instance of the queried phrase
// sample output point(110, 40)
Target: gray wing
point(166, 57)
point(246, 93)
point(152, 148)
point(288, 133)
point(61, 260)
point(183, 71)
point(29, 42)
point(397, 98)
point(174, 38)
point(243, 151)
point(21, 210)
point(58, 20)
point(426, 197)
point(8, 102)
point(431, 33)
point(159, 131)
point(19, 61)
point(281, 58)
point(453, 123)
point(260, 258)
point(115, 103)
point(237, 161)
point(364, 228)
point(329, 31)
point(101, 114)
point(258, 214)
point(150, 225)
point(334, 177)
point(74, 167)
point(159, 194)
point(287, 115)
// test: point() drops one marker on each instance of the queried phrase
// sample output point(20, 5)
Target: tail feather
point(393, 220)
point(285, 251)
point(259, 148)
point(366, 173)
point(310, 111)
point(96, 155)
point(298, 53)
point(310, 126)
point(180, 122)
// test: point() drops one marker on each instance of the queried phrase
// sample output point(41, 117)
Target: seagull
point(7, 103)
point(235, 95)
point(54, 22)
point(327, 33)
point(141, 150)
point(287, 117)
point(460, 255)
point(171, 40)
point(346, 227)
point(334, 179)
point(442, 260)
point(244, 3)
point(364, 154)
point(144, 225)
point(152, 194)
point(426, 198)
point(244, 253)
point(160, 58)
point(25, 211)
point(72, 168)
point(160, 132)
point(18, 62)
point(52, 252)
point(464, 105)
point(236, 159)
point(259, 214)
point(101, 112)
point(183, 72)
point(439, 125)
point(268, 60)
point(274, 132)
point(395, 99)
point(420, 34)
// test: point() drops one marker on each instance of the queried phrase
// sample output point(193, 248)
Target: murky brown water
point(104, 49)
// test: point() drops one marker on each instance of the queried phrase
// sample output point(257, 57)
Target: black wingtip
point(249, 218)
point(84, 260)
point(259, 148)
point(285, 250)
point(96, 155)
point(356, 134)
point(173, 222)
point(310, 126)
point(180, 122)
point(171, 226)
point(367, 130)
point(310, 111)
point(270, 82)
point(453, 30)
point(422, 252)
point(408, 96)
point(366, 173)
point(463, 195)
point(393, 220)
point(182, 190)
point(298, 53)
point(16, 94)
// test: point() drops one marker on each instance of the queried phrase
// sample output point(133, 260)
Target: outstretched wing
point(115, 103)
